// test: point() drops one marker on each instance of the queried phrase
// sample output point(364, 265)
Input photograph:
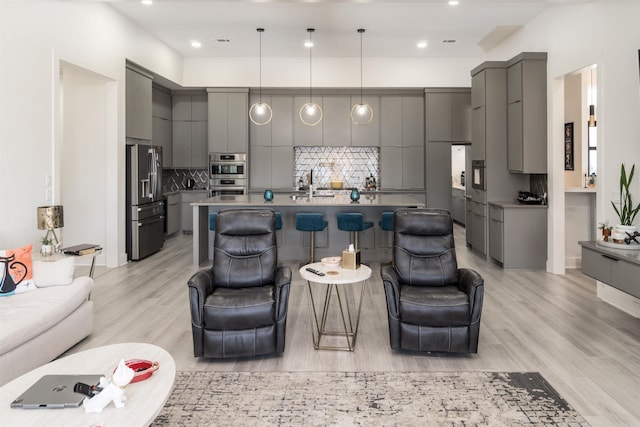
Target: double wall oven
point(227, 174)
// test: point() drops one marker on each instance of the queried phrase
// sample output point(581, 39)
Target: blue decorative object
point(268, 195)
point(355, 195)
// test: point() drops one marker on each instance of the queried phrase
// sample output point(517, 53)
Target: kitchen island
point(293, 245)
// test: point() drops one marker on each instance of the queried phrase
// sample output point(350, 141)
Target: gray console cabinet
point(619, 268)
point(527, 113)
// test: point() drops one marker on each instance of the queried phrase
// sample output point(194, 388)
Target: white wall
point(34, 38)
point(575, 37)
point(330, 72)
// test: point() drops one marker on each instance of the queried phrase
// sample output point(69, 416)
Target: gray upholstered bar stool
point(311, 222)
point(353, 222)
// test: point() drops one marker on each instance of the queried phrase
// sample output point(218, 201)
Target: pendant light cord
point(260, 30)
point(361, 31)
point(311, 30)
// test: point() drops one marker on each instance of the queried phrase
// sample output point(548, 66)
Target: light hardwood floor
point(531, 321)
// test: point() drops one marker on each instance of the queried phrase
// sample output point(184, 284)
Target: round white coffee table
point(334, 279)
point(144, 401)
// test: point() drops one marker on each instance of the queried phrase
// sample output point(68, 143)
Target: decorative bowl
point(143, 368)
point(331, 261)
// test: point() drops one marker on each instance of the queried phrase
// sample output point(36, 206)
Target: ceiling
point(393, 28)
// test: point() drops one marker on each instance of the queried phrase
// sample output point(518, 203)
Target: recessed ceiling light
point(196, 44)
point(453, 2)
point(147, 2)
point(422, 45)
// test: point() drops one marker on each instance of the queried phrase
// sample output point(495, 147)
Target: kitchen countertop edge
point(516, 205)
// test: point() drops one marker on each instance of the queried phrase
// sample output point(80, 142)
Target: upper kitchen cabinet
point(391, 121)
point(527, 113)
point(448, 115)
point(161, 124)
point(228, 117)
point(367, 135)
point(138, 105)
point(279, 131)
point(303, 134)
point(413, 121)
point(189, 130)
point(336, 123)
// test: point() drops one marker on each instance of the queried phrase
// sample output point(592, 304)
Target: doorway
point(83, 156)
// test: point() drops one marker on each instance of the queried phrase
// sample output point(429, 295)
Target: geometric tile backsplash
point(351, 165)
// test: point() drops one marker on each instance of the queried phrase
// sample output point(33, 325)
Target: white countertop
point(257, 200)
point(580, 190)
point(515, 204)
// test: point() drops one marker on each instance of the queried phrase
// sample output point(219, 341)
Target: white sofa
point(39, 325)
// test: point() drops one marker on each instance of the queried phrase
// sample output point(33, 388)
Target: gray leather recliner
point(432, 304)
point(239, 306)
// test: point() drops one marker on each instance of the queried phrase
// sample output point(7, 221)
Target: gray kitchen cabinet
point(614, 267)
point(161, 128)
point(458, 202)
point(336, 123)
point(478, 133)
point(478, 226)
point(367, 135)
point(282, 167)
point(527, 113)
point(468, 220)
point(173, 213)
point(260, 167)
point(517, 235)
point(391, 168)
point(412, 121)
point(478, 89)
point(413, 168)
point(438, 160)
point(448, 115)
point(303, 134)
point(279, 131)
point(161, 100)
point(261, 134)
point(162, 135)
point(228, 120)
point(186, 211)
point(189, 130)
point(189, 145)
point(138, 105)
point(391, 121)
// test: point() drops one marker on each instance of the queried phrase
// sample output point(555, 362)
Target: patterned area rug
point(365, 399)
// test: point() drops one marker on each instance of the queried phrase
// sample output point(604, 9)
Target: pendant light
point(592, 107)
point(260, 112)
point(310, 113)
point(361, 114)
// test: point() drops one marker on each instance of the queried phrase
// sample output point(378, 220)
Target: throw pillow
point(16, 274)
point(53, 273)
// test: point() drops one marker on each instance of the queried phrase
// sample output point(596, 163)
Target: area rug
point(365, 399)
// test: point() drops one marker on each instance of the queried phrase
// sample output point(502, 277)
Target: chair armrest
point(471, 283)
point(392, 289)
point(281, 290)
point(200, 285)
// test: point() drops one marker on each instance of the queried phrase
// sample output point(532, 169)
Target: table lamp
point(50, 218)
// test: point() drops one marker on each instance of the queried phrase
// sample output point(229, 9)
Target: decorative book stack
point(83, 249)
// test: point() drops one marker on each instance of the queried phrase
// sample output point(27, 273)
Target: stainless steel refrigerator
point(145, 207)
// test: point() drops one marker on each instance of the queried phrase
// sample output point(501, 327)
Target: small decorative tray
point(631, 246)
point(143, 368)
point(331, 261)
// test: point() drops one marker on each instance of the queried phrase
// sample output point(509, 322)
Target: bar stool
point(353, 222)
point(278, 221)
point(212, 221)
point(311, 222)
point(386, 224)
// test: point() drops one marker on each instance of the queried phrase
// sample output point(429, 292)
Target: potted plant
point(606, 230)
point(626, 211)
point(47, 245)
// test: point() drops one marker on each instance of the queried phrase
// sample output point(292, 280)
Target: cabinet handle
point(610, 257)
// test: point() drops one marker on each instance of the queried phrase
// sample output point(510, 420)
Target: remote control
point(314, 271)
